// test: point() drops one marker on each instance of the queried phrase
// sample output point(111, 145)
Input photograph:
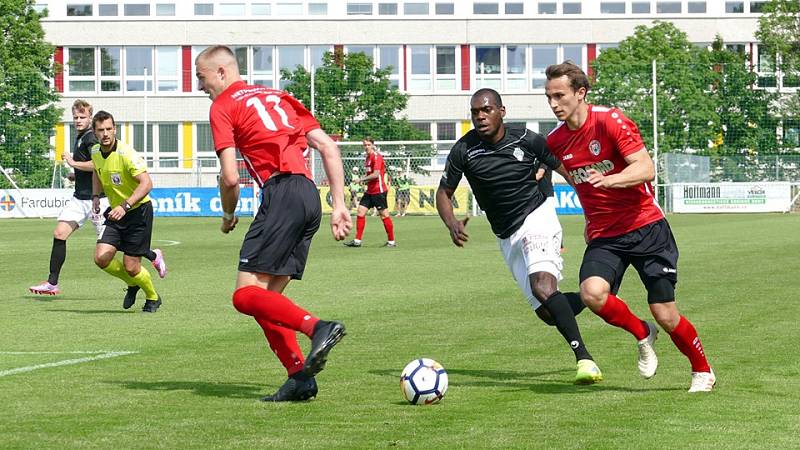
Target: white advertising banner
point(33, 202)
point(731, 197)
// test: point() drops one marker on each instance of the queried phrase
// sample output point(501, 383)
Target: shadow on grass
point(201, 388)
point(539, 382)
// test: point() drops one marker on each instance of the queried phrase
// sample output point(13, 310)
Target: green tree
point(687, 114)
point(353, 99)
point(28, 110)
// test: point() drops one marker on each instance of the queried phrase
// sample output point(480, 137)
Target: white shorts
point(79, 210)
point(535, 247)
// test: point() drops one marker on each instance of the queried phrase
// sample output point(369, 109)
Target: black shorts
point(279, 238)
point(377, 201)
point(651, 250)
point(130, 235)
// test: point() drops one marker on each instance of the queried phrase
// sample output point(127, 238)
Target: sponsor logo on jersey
point(116, 179)
point(568, 156)
point(475, 152)
point(594, 147)
point(518, 154)
point(582, 174)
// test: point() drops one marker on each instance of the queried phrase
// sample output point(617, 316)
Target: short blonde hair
point(82, 105)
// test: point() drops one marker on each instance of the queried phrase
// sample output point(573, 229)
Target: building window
point(168, 144)
point(415, 9)
point(425, 127)
point(668, 7)
point(446, 131)
point(485, 8)
point(136, 9)
point(81, 69)
point(445, 9)
point(289, 57)
point(546, 126)
point(541, 57)
point(544, 8)
point(640, 7)
point(387, 9)
point(261, 9)
point(571, 8)
point(79, 10)
point(263, 72)
point(757, 7)
point(360, 9)
point(446, 68)
point(289, 9)
point(791, 133)
point(205, 140)
point(516, 68)
point(766, 68)
point(138, 61)
point(515, 8)
point(317, 9)
point(420, 68)
point(365, 49)
point(165, 9)
point(203, 9)
point(488, 68)
point(168, 63)
point(110, 73)
point(389, 58)
point(139, 141)
point(612, 8)
point(107, 10)
point(231, 9)
point(696, 7)
point(734, 7)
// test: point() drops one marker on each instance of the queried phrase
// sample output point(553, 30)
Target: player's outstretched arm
point(444, 205)
point(332, 161)
point(228, 188)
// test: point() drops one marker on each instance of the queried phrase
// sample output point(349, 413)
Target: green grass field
point(199, 367)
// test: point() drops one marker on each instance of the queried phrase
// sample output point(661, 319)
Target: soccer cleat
point(648, 361)
point(326, 335)
point(588, 372)
point(159, 263)
point(45, 289)
point(390, 244)
point(703, 381)
point(130, 297)
point(151, 306)
point(352, 243)
point(294, 390)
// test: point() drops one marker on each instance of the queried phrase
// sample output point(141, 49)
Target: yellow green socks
point(142, 279)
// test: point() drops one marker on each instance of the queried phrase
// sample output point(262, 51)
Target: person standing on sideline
point(272, 130)
point(501, 163)
point(121, 173)
point(402, 195)
point(79, 207)
point(375, 196)
point(611, 170)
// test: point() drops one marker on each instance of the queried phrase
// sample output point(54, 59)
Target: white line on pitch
point(65, 362)
point(167, 242)
point(92, 352)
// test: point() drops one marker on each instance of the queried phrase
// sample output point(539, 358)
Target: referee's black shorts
point(651, 250)
point(377, 201)
point(279, 238)
point(131, 234)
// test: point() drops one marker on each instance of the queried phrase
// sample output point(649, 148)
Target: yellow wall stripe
point(466, 125)
point(60, 140)
point(187, 145)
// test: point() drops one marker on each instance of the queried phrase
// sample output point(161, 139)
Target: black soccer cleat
point(352, 243)
point(295, 389)
point(326, 335)
point(151, 306)
point(130, 297)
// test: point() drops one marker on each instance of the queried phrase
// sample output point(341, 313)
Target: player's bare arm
point(83, 166)
point(144, 188)
point(228, 188)
point(332, 161)
point(640, 170)
point(444, 205)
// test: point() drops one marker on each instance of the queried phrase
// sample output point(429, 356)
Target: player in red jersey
point(611, 171)
point(272, 130)
point(375, 196)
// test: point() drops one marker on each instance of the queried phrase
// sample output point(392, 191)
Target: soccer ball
point(423, 381)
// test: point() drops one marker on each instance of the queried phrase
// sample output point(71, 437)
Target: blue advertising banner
point(567, 200)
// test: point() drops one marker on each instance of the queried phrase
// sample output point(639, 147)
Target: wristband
point(228, 216)
point(126, 206)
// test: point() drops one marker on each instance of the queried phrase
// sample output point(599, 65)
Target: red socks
point(685, 338)
point(389, 227)
point(273, 307)
point(283, 343)
point(617, 313)
point(361, 222)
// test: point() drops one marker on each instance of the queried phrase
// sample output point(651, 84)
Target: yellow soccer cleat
point(588, 372)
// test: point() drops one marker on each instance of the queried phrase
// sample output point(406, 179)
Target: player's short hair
point(102, 116)
point(369, 139)
point(494, 95)
point(217, 50)
point(576, 76)
point(82, 105)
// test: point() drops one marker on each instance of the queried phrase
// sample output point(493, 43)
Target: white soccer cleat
point(703, 381)
point(648, 361)
point(159, 263)
point(45, 289)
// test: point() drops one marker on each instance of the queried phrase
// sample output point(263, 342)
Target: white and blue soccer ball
point(423, 381)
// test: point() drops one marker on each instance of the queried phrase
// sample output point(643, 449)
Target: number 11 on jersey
point(261, 107)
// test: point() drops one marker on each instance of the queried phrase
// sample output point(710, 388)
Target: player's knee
point(593, 295)
point(101, 260)
point(543, 285)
